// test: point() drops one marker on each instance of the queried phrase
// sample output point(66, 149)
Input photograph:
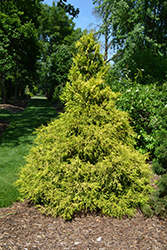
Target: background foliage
point(136, 30)
point(19, 45)
point(57, 33)
point(160, 162)
point(144, 104)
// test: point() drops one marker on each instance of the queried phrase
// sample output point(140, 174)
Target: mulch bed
point(23, 227)
point(13, 106)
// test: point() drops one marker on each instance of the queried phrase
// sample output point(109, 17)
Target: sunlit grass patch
point(14, 143)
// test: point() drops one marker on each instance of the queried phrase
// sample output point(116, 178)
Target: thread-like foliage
point(85, 160)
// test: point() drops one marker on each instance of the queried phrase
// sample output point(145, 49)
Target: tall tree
point(104, 29)
point(68, 8)
point(139, 34)
point(57, 34)
point(20, 47)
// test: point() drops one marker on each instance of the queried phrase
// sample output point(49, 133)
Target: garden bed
point(23, 227)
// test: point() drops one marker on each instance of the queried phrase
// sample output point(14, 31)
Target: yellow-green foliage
point(88, 61)
point(85, 160)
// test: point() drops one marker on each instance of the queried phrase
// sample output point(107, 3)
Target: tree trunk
point(15, 97)
point(106, 46)
point(106, 39)
point(3, 88)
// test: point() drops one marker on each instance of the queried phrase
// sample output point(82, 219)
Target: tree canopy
point(19, 43)
point(139, 35)
point(31, 33)
point(57, 33)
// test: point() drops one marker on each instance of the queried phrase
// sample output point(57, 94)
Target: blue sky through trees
point(85, 17)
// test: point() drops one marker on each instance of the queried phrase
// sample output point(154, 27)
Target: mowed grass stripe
point(15, 141)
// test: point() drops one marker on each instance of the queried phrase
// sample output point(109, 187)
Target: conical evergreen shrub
point(85, 160)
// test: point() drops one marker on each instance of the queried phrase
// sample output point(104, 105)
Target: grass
point(15, 142)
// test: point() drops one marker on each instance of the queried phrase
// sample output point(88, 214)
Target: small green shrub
point(144, 104)
point(158, 199)
point(156, 206)
point(147, 210)
point(27, 92)
point(160, 162)
point(85, 160)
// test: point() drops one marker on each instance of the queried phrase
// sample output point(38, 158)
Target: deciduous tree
point(57, 34)
point(20, 47)
point(139, 35)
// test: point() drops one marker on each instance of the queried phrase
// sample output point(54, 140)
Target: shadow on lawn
point(22, 126)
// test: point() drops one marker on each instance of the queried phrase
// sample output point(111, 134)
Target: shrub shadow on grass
point(22, 126)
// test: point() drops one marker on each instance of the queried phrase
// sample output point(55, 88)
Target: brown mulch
point(23, 227)
point(12, 108)
point(17, 107)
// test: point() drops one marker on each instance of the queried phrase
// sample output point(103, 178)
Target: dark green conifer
point(160, 162)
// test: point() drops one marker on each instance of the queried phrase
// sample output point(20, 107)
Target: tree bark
point(15, 96)
point(106, 45)
point(3, 88)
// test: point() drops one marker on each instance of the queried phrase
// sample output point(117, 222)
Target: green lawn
point(15, 141)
